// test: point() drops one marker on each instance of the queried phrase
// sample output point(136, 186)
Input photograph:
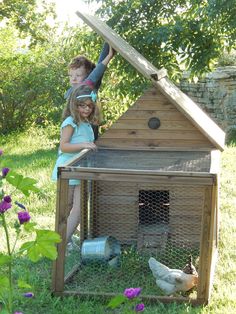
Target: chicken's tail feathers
point(158, 269)
point(189, 268)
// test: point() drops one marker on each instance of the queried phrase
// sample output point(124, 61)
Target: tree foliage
point(32, 83)
point(171, 34)
point(175, 34)
point(29, 17)
point(33, 80)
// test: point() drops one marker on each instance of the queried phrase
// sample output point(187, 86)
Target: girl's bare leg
point(74, 217)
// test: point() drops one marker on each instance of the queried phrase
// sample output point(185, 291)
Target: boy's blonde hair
point(72, 102)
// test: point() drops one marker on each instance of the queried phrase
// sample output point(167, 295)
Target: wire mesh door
point(147, 220)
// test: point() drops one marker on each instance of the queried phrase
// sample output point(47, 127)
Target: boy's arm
point(104, 52)
point(95, 77)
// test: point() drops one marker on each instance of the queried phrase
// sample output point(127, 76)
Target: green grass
point(33, 153)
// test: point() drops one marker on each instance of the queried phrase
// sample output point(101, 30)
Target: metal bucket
point(101, 249)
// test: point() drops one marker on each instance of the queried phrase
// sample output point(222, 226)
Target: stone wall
point(216, 94)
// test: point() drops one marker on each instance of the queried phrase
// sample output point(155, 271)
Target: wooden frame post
point(205, 249)
point(60, 227)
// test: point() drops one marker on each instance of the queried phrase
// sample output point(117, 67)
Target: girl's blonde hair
point(73, 102)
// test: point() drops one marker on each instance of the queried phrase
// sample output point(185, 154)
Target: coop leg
point(60, 227)
point(205, 249)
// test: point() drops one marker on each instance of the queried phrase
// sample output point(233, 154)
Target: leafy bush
point(227, 59)
point(30, 80)
point(35, 80)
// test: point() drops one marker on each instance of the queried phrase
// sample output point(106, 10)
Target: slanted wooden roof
point(182, 102)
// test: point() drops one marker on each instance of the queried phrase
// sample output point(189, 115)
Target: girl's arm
point(67, 147)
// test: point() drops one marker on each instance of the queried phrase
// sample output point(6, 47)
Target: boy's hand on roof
point(110, 55)
point(112, 52)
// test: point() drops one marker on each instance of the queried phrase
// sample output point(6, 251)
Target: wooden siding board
point(141, 124)
point(158, 134)
point(147, 114)
point(127, 143)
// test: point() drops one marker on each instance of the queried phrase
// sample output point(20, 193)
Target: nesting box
point(152, 185)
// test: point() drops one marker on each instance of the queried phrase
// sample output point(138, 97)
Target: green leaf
point(4, 259)
point(47, 250)
point(48, 235)
point(29, 226)
point(43, 246)
point(27, 245)
point(23, 285)
point(117, 301)
point(24, 184)
point(46, 240)
point(32, 250)
point(34, 253)
point(14, 178)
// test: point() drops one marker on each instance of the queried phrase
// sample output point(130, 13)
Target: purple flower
point(28, 295)
point(7, 198)
point(18, 313)
point(23, 217)
point(131, 293)
point(139, 307)
point(1, 152)
point(5, 172)
point(4, 206)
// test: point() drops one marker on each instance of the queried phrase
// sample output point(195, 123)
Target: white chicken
point(172, 280)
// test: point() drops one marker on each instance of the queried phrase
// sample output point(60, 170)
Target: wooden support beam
point(60, 227)
point(203, 289)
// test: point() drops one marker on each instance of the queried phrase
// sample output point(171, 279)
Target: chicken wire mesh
point(148, 220)
point(192, 161)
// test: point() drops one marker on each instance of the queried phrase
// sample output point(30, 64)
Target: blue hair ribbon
point(93, 96)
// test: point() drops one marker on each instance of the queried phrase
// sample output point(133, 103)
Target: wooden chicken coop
point(152, 185)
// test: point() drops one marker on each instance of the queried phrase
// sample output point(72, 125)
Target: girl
point(76, 134)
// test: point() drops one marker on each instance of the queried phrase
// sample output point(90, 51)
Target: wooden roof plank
point(120, 45)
